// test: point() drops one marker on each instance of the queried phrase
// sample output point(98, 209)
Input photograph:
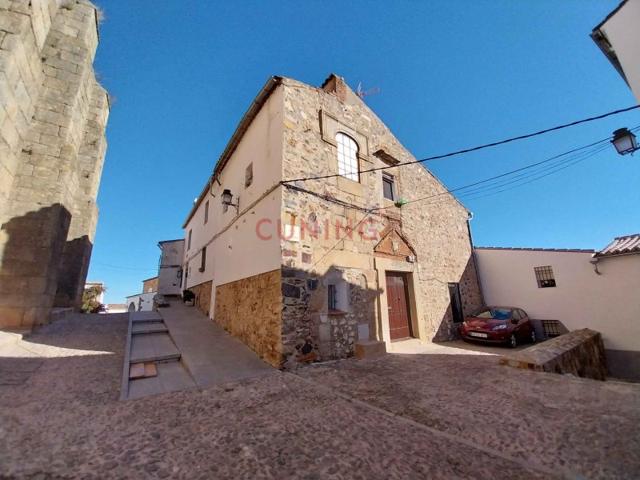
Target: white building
point(140, 302)
point(618, 36)
point(170, 268)
point(579, 288)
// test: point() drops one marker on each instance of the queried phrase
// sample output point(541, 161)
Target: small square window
point(248, 175)
point(544, 276)
point(388, 186)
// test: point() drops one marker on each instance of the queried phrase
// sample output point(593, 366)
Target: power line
point(487, 190)
point(118, 267)
point(330, 198)
point(479, 147)
point(536, 178)
point(528, 177)
point(505, 174)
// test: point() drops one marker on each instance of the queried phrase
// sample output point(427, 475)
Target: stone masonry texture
point(53, 115)
point(250, 309)
point(436, 231)
point(202, 294)
point(580, 352)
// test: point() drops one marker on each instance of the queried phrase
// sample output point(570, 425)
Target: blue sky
point(451, 74)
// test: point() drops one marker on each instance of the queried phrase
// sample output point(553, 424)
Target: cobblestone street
point(413, 416)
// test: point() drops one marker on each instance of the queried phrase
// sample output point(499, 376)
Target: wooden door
point(398, 305)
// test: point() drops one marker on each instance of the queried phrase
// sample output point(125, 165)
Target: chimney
point(336, 85)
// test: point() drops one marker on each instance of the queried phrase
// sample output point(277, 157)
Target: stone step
point(141, 317)
point(142, 370)
point(171, 376)
point(152, 347)
point(139, 328)
point(370, 349)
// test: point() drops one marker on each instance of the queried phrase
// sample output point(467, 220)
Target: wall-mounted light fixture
point(227, 201)
point(625, 141)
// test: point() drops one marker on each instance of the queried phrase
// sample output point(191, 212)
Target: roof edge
point(534, 249)
point(258, 102)
point(160, 242)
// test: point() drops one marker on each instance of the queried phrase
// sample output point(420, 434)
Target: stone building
point(302, 245)
point(53, 115)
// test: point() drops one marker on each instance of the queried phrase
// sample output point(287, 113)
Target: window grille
point(544, 277)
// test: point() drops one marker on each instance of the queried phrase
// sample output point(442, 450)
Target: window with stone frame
point(388, 187)
point(347, 157)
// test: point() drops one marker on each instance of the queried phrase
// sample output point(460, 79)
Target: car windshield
point(495, 313)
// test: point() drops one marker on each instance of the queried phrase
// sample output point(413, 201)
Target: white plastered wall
point(171, 256)
point(237, 251)
point(608, 303)
point(623, 32)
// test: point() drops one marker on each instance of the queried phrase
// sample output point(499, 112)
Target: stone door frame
point(382, 266)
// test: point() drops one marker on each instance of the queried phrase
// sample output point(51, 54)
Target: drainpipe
point(474, 258)
point(594, 261)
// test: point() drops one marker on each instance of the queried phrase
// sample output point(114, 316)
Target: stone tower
point(53, 115)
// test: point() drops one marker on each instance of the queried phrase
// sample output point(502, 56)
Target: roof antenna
point(364, 93)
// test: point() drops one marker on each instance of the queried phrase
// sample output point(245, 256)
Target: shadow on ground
point(415, 416)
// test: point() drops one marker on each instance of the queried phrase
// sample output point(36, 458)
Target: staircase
point(153, 364)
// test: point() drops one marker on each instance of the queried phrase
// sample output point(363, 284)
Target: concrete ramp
point(580, 353)
point(178, 348)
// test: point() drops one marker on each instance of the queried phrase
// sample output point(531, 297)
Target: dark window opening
point(332, 298)
point(203, 259)
point(206, 212)
point(456, 302)
point(189, 240)
point(552, 328)
point(388, 187)
point(248, 175)
point(544, 277)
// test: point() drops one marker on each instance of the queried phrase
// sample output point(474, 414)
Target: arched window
point(347, 157)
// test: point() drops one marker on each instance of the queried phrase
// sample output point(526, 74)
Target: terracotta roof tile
point(621, 246)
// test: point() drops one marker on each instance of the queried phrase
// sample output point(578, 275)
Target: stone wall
point(436, 230)
point(150, 285)
point(53, 115)
point(310, 331)
point(203, 296)
point(251, 309)
point(580, 353)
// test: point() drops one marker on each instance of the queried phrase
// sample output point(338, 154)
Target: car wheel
point(513, 341)
point(533, 336)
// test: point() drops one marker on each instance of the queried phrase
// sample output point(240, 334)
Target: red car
point(509, 325)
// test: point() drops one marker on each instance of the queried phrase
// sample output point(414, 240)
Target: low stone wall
point(580, 352)
point(203, 296)
point(251, 309)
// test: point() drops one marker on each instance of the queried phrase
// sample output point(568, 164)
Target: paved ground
point(210, 354)
point(418, 416)
point(581, 427)
point(188, 351)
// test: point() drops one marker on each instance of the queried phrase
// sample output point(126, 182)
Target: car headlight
point(500, 327)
